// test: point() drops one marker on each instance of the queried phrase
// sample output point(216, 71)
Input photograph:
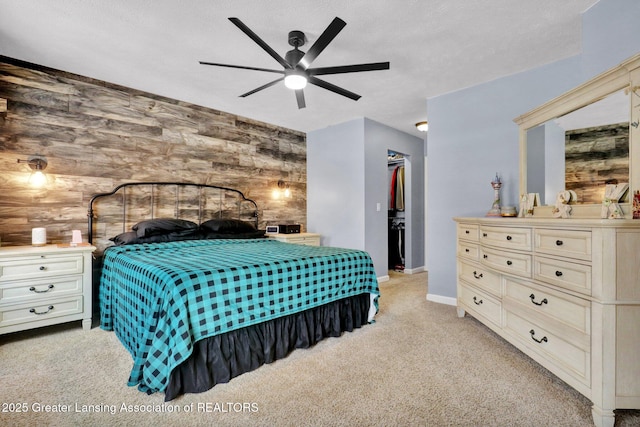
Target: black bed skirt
point(220, 358)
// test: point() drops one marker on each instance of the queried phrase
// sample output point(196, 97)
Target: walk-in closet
point(396, 208)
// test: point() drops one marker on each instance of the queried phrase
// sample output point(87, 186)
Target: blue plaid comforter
point(161, 298)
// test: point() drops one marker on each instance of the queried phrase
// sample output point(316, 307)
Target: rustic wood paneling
point(594, 157)
point(97, 135)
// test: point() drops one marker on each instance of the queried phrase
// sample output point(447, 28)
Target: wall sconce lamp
point(282, 191)
point(422, 126)
point(37, 165)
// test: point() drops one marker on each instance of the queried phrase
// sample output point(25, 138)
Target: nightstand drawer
point(42, 266)
point(309, 239)
point(25, 313)
point(24, 291)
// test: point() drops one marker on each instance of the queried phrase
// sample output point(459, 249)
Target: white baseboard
point(414, 270)
point(383, 278)
point(442, 300)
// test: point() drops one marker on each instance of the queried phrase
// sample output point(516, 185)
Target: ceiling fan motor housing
point(294, 56)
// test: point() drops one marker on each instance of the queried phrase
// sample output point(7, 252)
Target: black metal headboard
point(147, 200)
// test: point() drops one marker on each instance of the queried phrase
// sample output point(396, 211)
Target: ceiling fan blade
point(262, 87)
point(374, 66)
point(242, 67)
point(325, 38)
point(333, 88)
point(238, 23)
point(300, 98)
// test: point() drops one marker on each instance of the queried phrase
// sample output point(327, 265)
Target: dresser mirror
point(581, 141)
point(580, 151)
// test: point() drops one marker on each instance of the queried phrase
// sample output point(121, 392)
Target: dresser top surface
point(552, 222)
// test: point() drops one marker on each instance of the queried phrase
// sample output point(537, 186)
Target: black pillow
point(126, 238)
point(154, 227)
point(131, 237)
point(254, 234)
point(227, 226)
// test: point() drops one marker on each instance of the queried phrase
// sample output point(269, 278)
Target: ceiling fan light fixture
point(422, 126)
point(295, 80)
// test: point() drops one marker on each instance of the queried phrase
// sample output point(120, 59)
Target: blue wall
point(347, 178)
point(472, 134)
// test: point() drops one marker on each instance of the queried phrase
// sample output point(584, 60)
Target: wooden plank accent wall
point(96, 135)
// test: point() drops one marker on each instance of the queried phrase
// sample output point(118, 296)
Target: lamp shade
point(295, 81)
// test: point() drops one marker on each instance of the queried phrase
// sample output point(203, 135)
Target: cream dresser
point(42, 286)
point(564, 291)
point(310, 239)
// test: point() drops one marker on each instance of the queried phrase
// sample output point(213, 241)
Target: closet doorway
point(398, 167)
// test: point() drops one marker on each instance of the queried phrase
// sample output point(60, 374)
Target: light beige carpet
point(418, 365)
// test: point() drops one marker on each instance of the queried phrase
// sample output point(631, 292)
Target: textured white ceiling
point(434, 46)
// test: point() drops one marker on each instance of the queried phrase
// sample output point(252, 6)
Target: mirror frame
point(625, 76)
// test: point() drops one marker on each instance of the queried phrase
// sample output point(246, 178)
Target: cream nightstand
point(42, 286)
point(310, 239)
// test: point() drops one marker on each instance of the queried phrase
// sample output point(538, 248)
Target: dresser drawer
point(566, 243)
point(564, 274)
point(508, 262)
point(25, 313)
point(573, 361)
point(468, 231)
point(24, 291)
point(468, 250)
point(563, 314)
point(506, 237)
point(479, 304)
point(480, 277)
point(40, 266)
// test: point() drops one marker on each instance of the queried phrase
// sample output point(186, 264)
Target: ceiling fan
point(296, 72)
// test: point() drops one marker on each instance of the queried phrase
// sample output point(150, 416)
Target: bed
point(197, 294)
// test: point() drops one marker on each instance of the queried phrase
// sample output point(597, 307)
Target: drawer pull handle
point(466, 250)
point(539, 341)
point(42, 268)
point(476, 302)
point(476, 275)
point(509, 237)
point(484, 234)
point(533, 297)
point(466, 231)
point(558, 273)
point(559, 242)
point(485, 256)
point(509, 263)
point(33, 310)
point(33, 289)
